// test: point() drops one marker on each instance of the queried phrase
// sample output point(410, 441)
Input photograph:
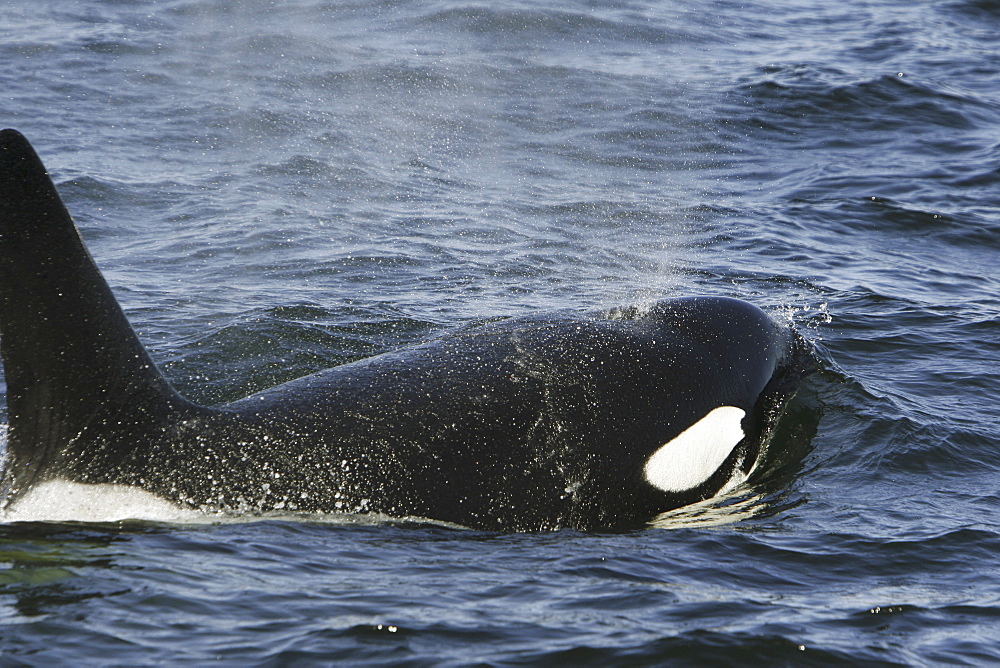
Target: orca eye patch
point(691, 458)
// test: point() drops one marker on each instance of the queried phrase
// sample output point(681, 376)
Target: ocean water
point(273, 188)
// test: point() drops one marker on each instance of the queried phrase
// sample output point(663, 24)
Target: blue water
point(273, 188)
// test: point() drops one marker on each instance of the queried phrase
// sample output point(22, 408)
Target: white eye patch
point(697, 452)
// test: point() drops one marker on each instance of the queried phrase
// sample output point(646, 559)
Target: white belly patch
point(697, 452)
point(64, 501)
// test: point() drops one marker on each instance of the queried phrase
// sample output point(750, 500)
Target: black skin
point(530, 423)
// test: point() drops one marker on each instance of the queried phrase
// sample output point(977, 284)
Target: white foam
point(697, 452)
point(729, 507)
point(64, 501)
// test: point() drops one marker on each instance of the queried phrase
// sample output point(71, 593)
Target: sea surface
point(273, 188)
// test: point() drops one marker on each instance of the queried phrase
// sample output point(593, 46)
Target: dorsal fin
point(80, 385)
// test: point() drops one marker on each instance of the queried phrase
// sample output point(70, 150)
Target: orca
point(571, 419)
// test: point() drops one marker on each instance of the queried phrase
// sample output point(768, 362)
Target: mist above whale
point(563, 419)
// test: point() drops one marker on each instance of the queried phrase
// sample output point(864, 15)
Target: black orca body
point(571, 420)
